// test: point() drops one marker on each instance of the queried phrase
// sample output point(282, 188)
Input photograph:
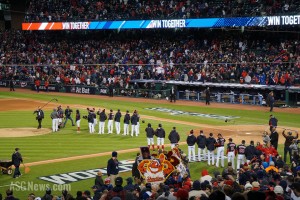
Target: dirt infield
point(237, 132)
point(23, 132)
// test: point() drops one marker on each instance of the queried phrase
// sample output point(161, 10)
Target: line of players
point(111, 117)
point(208, 145)
point(60, 117)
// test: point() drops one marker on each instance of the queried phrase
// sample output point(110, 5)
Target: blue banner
point(166, 23)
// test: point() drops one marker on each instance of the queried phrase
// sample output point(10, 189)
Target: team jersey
point(231, 147)
point(241, 149)
point(110, 116)
point(221, 142)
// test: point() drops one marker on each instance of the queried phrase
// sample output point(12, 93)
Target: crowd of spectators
point(265, 176)
point(79, 10)
point(98, 58)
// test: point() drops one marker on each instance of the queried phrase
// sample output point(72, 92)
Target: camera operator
point(68, 113)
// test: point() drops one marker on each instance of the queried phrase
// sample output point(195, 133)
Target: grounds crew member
point(113, 167)
point(160, 134)
point(191, 141)
point(68, 113)
point(17, 159)
point(273, 121)
point(250, 152)
point(118, 116)
point(274, 138)
point(172, 94)
point(241, 154)
point(110, 124)
point(174, 137)
point(288, 142)
point(220, 150)
point(54, 117)
point(150, 133)
point(210, 145)
point(126, 123)
point(231, 151)
point(201, 142)
point(39, 116)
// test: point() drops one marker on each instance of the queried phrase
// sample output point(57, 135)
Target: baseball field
point(69, 160)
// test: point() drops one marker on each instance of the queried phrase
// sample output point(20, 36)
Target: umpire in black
point(17, 160)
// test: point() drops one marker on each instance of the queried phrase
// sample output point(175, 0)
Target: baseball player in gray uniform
point(54, 117)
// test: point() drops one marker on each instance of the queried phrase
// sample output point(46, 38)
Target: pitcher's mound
point(23, 132)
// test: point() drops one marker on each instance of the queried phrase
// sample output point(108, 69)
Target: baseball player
point(126, 123)
point(134, 119)
point(118, 116)
point(138, 123)
point(150, 133)
point(102, 118)
point(220, 150)
point(191, 141)
point(174, 137)
point(241, 154)
point(91, 118)
point(60, 113)
point(77, 118)
point(54, 117)
point(110, 124)
point(160, 134)
point(95, 119)
point(201, 141)
point(231, 151)
point(210, 145)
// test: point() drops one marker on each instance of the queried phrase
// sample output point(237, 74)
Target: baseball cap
point(248, 186)
point(278, 189)
point(119, 181)
point(182, 194)
point(114, 154)
point(107, 181)
point(196, 185)
point(95, 187)
point(295, 186)
point(255, 184)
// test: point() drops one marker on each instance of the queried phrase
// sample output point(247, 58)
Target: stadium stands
point(160, 55)
point(80, 10)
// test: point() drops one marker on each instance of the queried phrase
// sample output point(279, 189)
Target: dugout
point(292, 97)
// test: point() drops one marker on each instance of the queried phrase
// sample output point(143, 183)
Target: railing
point(222, 97)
